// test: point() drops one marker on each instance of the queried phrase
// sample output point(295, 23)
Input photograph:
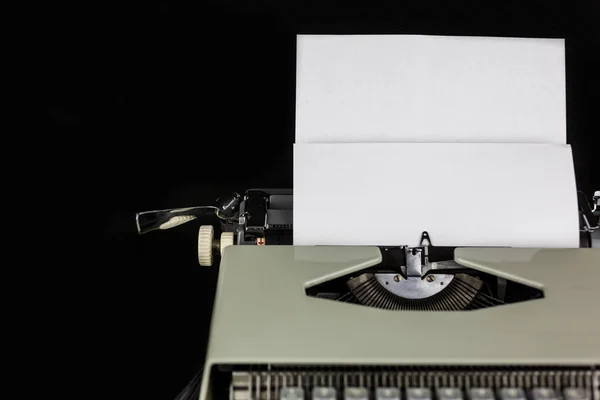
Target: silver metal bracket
point(417, 259)
point(413, 261)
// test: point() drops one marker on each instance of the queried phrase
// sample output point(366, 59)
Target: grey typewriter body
point(271, 338)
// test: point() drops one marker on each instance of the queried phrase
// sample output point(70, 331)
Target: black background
point(171, 104)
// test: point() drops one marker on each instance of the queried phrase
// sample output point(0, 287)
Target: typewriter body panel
point(268, 333)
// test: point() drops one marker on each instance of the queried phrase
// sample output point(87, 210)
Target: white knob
point(205, 239)
point(226, 241)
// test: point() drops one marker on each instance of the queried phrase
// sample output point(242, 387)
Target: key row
point(389, 393)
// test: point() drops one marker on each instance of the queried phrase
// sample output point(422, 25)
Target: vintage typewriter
point(392, 322)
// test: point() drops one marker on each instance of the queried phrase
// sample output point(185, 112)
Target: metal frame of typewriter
point(264, 217)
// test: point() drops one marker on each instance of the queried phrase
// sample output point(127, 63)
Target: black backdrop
point(170, 104)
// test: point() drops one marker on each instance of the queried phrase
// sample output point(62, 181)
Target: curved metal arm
point(166, 219)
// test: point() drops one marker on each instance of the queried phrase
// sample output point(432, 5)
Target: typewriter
point(392, 322)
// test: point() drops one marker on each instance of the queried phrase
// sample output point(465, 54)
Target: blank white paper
point(463, 194)
point(407, 88)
